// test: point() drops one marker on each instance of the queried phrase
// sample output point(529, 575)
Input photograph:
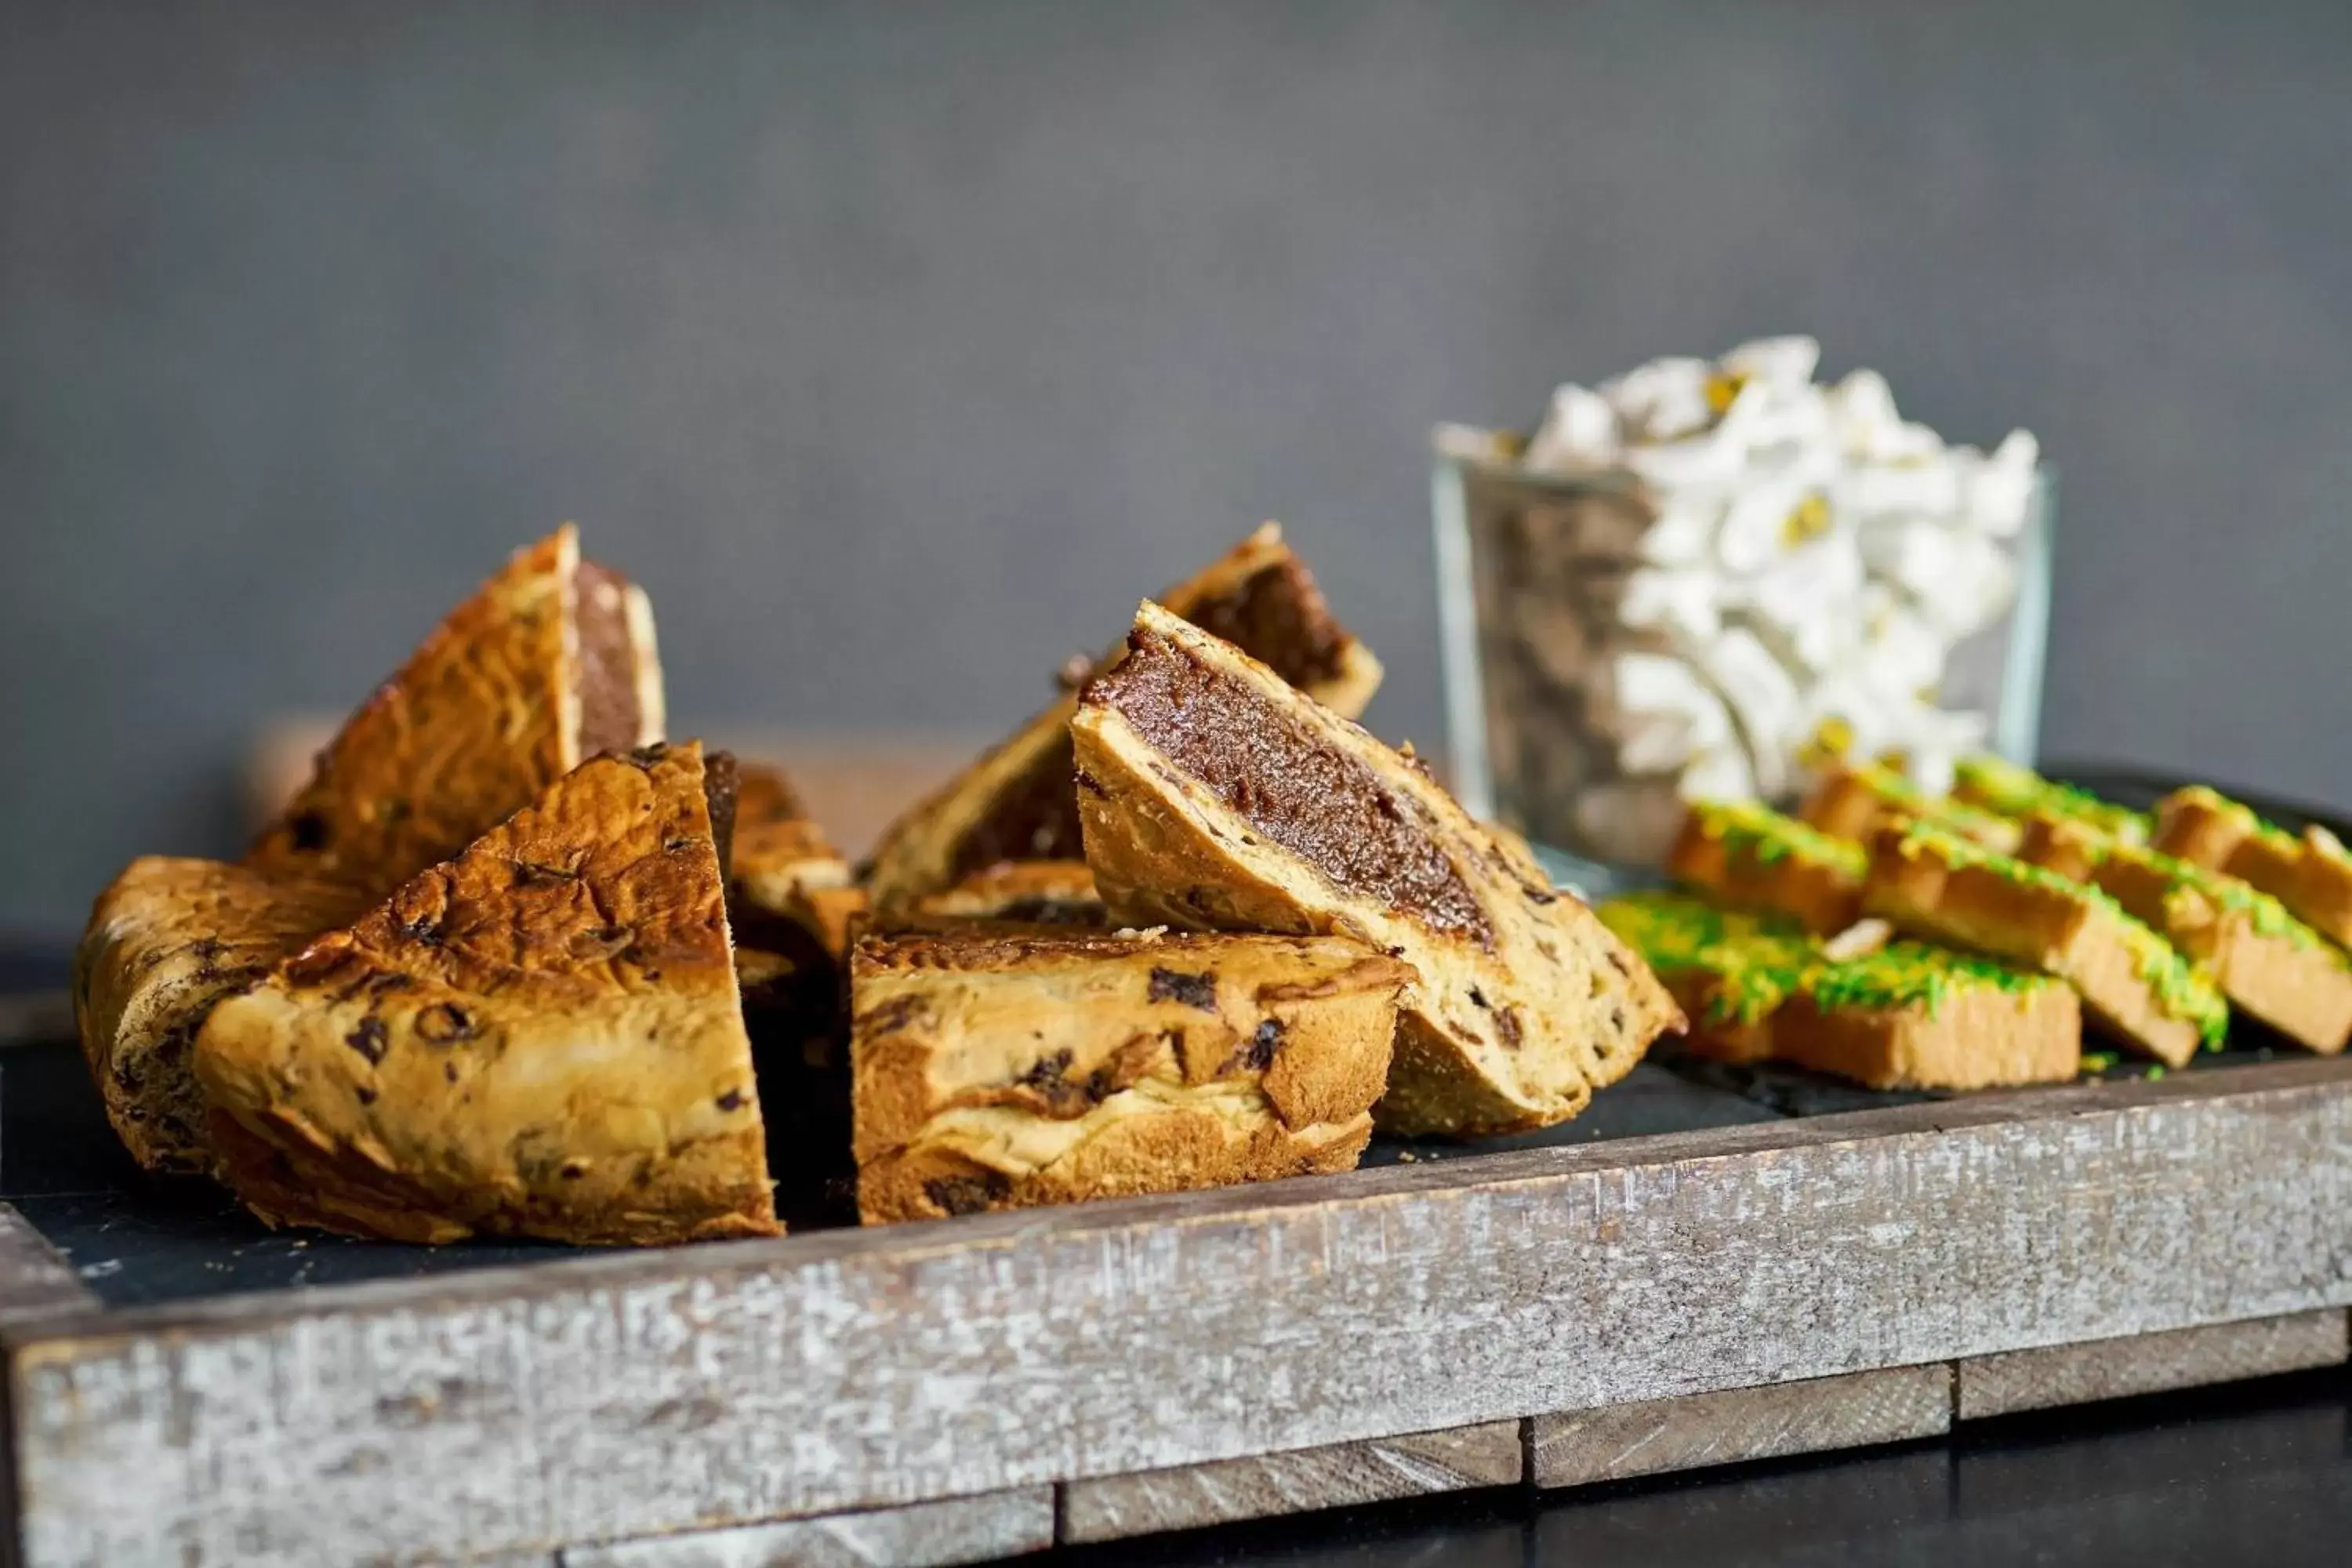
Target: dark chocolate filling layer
point(1276, 616)
point(1312, 799)
point(608, 662)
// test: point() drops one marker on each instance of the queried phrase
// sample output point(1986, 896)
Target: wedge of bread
point(1215, 796)
point(166, 941)
point(552, 661)
point(542, 1036)
point(2267, 963)
point(2310, 874)
point(1933, 882)
point(1901, 1016)
point(1015, 802)
point(1853, 801)
point(1749, 854)
point(995, 1070)
point(2006, 789)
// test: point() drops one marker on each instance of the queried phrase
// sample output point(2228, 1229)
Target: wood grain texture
point(615, 1397)
point(2147, 1364)
point(1338, 1476)
point(35, 1280)
point(956, 1530)
point(1653, 1435)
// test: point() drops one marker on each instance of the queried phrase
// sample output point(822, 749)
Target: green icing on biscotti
point(1748, 828)
point(2014, 791)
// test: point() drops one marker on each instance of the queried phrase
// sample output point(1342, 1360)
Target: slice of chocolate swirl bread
point(1014, 804)
point(1216, 797)
point(996, 1069)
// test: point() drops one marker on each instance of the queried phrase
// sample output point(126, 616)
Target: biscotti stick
point(1934, 883)
point(1215, 796)
point(2311, 875)
point(2265, 961)
point(1996, 785)
point(1905, 1015)
point(1747, 854)
point(1853, 800)
point(998, 1071)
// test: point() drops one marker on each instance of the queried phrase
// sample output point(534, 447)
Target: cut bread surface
point(553, 660)
point(2310, 874)
point(995, 1067)
point(1749, 854)
point(542, 1036)
point(1015, 802)
point(1214, 796)
point(1935, 883)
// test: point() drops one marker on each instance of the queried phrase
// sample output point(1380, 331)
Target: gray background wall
point(900, 348)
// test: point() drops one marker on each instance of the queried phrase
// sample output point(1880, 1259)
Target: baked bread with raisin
point(1214, 795)
point(542, 1036)
point(999, 1070)
point(550, 663)
point(1014, 803)
point(166, 941)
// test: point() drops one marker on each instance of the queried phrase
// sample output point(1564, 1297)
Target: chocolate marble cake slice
point(542, 1036)
point(550, 663)
point(1002, 1070)
point(1015, 802)
point(1215, 796)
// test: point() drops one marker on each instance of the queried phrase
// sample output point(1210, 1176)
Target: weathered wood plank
point(2148, 1364)
point(1338, 1476)
point(925, 1535)
point(1653, 1435)
point(619, 1397)
point(34, 1281)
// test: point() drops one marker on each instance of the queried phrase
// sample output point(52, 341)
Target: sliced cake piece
point(2265, 961)
point(1747, 854)
point(1935, 883)
point(167, 941)
point(1854, 801)
point(1215, 796)
point(1015, 802)
point(2311, 875)
point(1998, 785)
point(540, 1037)
point(1026, 892)
point(1003, 1071)
point(550, 663)
point(1904, 1015)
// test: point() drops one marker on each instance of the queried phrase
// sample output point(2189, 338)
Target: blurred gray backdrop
point(900, 348)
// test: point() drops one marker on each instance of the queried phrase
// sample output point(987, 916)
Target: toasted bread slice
point(995, 1070)
point(541, 1037)
point(551, 662)
point(1015, 802)
point(2265, 961)
point(1905, 1015)
point(166, 941)
point(2002, 787)
point(1216, 797)
point(1749, 854)
point(1024, 892)
point(1935, 883)
point(1855, 800)
point(2311, 875)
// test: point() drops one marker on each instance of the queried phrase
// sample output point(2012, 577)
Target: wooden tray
point(1709, 1266)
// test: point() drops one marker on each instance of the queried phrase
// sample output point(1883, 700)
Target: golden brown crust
point(1822, 898)
point(1980, 1037)
point(766, 793)
point(485, 713)
point(1922, 891)
point(1014, 802)
point(166, 941)
point(1080, 1065)
point(1524, 1002)
point(541, 1037)
point(1029, 892)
